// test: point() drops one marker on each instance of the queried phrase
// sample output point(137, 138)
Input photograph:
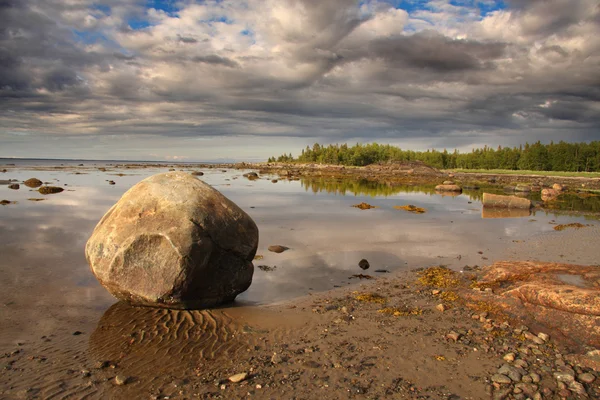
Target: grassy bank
point(525, 172)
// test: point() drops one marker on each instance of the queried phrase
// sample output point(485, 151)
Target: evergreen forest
point(562, 156)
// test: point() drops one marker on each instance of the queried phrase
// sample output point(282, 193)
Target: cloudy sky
point(246, 79)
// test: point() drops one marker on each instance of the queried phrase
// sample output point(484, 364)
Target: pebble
point(121, 380)
point(577, 388)
point(543, 336)
point(499, 378)
point(586, 377)
point(238, 377)
point(440, 307)
point(509, 357)
point(276, 358)
point(453, 336)
point(535, 377)
point(521, 363)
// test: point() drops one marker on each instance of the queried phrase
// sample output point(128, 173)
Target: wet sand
point(325, 345)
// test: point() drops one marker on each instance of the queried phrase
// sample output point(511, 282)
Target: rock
point(197, 173)
point(578, 388)
point(278, 248)
point(543, 336)
point(565, 376)
point(499, 201)
point(513, 373)
point(453, 336)
point(111, 182)
point(173, 241)
point(448, 188)
point(533, 291)
point(363, 264)
point(274, 181)
point(50, 189)
point(509, 357)
point(448, 183)
point(33, 183)
point(14, 186)
point(251, 176)
point(502, 394)
point(535, 378)
point(502, 379)
point(440, 307)
point(586, 377)
point(549, 194)
point(121, 380)
point(558, 187)
point(276, 359)
point(238, 377)
point(523, 188)
point(364, 206)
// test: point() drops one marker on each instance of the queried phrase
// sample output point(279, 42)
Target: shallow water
point(45, 282)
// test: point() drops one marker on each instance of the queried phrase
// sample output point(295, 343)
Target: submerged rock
point(197, 173)
point(33, 183)
point(14, 186)
point(174, 241)
point(364, 206)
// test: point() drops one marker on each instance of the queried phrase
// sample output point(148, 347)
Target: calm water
point(45, 280)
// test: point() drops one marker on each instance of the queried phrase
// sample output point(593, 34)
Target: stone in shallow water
point(174, 241)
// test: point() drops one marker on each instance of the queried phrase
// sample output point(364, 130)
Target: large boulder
point(174, 241)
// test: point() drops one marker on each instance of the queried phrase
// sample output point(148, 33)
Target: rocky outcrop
point(499, 201)
point(563, 298)
point(174, 241)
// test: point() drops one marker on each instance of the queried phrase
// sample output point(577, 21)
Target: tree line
point(562, 156)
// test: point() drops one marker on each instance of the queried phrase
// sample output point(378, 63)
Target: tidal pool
point(45, 282)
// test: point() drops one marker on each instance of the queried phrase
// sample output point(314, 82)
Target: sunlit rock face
point(174, 241)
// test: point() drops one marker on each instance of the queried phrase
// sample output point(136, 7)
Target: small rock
point(363, 264)
point(440, 307)
point(543, 336)
point(238, 377)
point(33, 183)
point(121, 380)
point(578, 388)
point(50, 189)
point(111, 182)
point(14, 186)
point(564, 376)
point(276, 359)
point(503, 379)
point(535, 377)
point(453, 336)
point(586, 377)
point(278, 248)
point(510, 357)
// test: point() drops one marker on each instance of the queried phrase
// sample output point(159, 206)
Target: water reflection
point(504, 212)
point(45, 281)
